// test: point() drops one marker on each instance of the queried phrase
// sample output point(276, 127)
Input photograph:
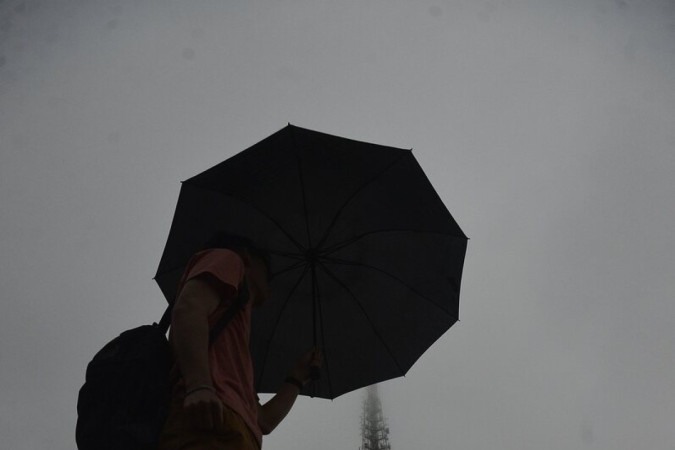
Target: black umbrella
point(366, 259)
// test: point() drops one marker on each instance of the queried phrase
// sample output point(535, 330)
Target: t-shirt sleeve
point(223, 265)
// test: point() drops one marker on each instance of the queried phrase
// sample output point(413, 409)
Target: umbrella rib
point(390, 275)
point(363, 310)
point(296, 256)
point(354, 194)
point(343, 244)
point(252, 205)
point(288, 269)
point(302, 188)
point(318, 316)
point(323, 341)
point(276, 325)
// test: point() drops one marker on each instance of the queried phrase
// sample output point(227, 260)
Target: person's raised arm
point(275, 410)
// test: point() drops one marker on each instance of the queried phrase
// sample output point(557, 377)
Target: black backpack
point(124, 401)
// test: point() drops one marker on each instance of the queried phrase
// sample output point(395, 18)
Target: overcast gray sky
point(547, 127)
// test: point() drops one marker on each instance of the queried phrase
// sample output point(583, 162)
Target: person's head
point(256, 262)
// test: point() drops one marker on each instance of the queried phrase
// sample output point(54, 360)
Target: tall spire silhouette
point(374, 428)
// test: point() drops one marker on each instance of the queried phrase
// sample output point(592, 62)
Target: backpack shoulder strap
point(165, 321)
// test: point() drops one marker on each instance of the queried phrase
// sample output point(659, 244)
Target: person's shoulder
point(221, 269)
point(222, 263)
point(219, 255)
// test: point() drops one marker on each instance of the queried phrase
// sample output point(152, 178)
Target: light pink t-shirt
point(229, 355)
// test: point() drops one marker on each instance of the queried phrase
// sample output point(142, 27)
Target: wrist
point(192, 381)
point(201, 387)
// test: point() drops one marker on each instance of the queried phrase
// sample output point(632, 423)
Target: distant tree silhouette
point(374, 428)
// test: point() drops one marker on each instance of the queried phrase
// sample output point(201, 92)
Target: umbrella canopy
point(366, 259)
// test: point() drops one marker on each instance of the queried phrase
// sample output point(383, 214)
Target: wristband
point(200, 388)
point(295, 382)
